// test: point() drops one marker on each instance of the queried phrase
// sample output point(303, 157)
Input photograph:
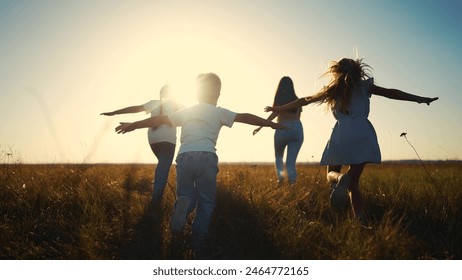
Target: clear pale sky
point(62, 63)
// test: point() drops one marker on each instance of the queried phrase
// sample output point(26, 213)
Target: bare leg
point(339, 198)
point(333, 171)
point(355, 172)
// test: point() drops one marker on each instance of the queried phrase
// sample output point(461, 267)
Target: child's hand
point(427, 100)
point(256, 130)
point(279, 126)
point(124, 128)
point(270, 109)
point(107, 114)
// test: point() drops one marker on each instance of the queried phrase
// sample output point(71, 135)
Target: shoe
point(339, 198)
point(179, 215)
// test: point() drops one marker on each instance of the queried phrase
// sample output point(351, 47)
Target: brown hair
point(285, 93)
point(346, 75)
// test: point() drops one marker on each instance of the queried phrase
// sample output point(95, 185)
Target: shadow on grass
point(236, 232)
point(146, 241)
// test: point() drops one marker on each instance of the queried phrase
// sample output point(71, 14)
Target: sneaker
point(339, 198)
point(179, 215)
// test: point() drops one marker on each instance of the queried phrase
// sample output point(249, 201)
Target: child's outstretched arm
point(255, 120)
point(401, 95)
point(294, 104)
point(270, 118)
point(149, 122)
point(127, 110)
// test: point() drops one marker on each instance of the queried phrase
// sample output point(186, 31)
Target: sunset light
point(332, 149)
point(67, 62)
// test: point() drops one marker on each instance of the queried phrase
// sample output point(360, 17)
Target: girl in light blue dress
point(353, 141)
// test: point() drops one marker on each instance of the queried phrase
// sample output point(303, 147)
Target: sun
point(177, 58)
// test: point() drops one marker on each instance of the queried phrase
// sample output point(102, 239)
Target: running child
point(162, 139)
point(291, 138)
point(197, 162)
point(353, 141)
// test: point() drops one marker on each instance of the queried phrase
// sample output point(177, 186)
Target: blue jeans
point(164, 151)
point(196, 177)
point(291, 138)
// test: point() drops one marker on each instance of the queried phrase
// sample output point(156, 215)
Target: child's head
point(208, 88)
point(164, 92)
point(346, 75)
point(285, 93)
point(348, 70)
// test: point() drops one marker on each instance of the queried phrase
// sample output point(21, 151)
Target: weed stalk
point(423, 165)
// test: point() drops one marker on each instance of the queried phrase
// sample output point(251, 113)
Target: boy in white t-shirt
point(197, 162)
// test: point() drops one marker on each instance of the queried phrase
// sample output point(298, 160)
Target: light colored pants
point(291, 138)
point(196, 176)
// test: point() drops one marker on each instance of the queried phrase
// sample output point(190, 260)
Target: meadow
point(102, 211)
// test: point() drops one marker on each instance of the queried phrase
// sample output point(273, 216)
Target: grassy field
point(101, 212)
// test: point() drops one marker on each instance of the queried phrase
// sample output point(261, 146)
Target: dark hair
point(285, 93)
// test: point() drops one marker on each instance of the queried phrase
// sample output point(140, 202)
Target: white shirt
point(162, 133)
point(200, 126)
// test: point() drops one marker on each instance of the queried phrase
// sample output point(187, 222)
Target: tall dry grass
point(102, 212)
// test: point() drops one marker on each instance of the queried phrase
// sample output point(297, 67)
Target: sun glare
point(165, 60)
point(182, 65)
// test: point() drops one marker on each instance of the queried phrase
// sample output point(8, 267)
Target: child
point(353, 140)
point(291, 138)
point(161, 139)
point(197, 162)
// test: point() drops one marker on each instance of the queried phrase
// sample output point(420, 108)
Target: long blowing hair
point(285, 93)
point(346, 76)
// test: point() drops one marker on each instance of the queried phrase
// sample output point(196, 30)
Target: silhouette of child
point(162, 139)
point(353, 140)
point(291, 138)
point(197, 162)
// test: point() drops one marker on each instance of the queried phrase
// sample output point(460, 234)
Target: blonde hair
point(346, 75)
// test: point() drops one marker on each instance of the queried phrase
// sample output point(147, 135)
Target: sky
point(62, 63)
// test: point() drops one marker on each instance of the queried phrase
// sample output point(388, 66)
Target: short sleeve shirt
point(200, 126)
point(162, 133)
